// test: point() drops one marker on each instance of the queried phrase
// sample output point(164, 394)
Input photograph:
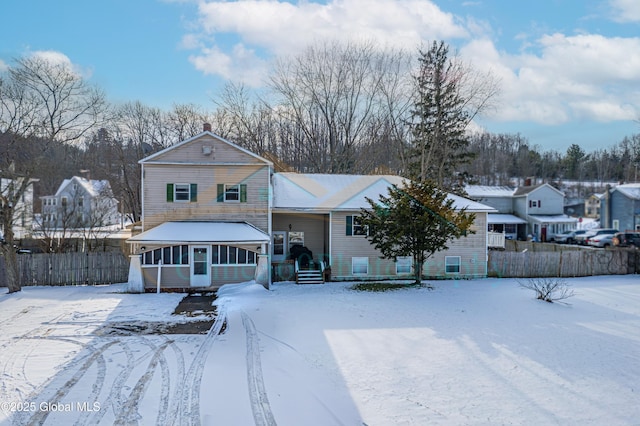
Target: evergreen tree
point(439, 119)
point(416, 220)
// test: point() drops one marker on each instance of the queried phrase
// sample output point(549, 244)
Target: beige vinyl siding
point(192, 152)
point(157, 210)
point(471, 249)
point(175, 277)
point(345, 247)
point(313, 226)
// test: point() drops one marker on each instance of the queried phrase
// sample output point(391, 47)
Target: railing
point(496, 239)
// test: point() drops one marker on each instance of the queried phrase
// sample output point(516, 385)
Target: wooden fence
point(70, 268)
point(563, 263)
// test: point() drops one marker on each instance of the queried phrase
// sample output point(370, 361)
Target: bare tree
point(39, 100)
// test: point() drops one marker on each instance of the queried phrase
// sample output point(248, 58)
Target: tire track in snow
point(129, 413)
point(40, 416)
point(189, 412)
point(262, 414)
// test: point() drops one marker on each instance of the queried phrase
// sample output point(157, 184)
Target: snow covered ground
point(469, 352)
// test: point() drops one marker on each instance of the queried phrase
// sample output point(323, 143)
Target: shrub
point(548, 289)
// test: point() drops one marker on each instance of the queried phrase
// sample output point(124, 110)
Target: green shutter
point(349, 225)
point(243, 193)
point(220, 192)
point(169, 193)
point(193, 192)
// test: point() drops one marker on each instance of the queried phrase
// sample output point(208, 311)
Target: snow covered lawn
point(468, 352)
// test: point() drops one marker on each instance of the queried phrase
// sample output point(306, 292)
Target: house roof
point(483, 191)
point(201, 232)
point(198, 136)
point(551, 218)
point(525, 190)
point(91, 187)
point(631, 190)
point(330, 192)
point(499, 218)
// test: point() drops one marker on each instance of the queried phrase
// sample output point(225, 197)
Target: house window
point(403, 265)
point(182, 192)
point(452, 264)
point(81, 202)
point(229, 255)
point(296, 238)
point(64, 201)
point(232, 193)
point(510, 228)
point(359, 265)
point(171, 255)
point(355, 226)
point(616, 224)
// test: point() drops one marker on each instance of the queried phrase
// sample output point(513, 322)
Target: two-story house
point(216, 213)
point(621, 207)
point(535, 211)
point(543, 207)
point(80, 203)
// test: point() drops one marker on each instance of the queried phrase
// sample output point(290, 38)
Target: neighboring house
point(621, 207)
point(592, 206)
point(536, 210)
point(80, 203)
point(23, 209)
point(543, 207)
point(215, 213)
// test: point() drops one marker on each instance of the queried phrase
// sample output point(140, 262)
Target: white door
point(279, 246)
point(200, 266)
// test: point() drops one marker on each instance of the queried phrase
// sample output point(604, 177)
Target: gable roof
point(91, 187)
point(631, 190)
point(199, 136)
point(526, 190)
point(330, 192)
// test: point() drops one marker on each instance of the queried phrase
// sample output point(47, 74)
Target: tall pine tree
point(439, 119)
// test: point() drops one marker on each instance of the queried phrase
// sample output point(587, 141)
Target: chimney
point(206, 127)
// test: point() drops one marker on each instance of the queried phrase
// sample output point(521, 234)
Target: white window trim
point(405, 259)
point(447, 264)
point(175, 192)
point(354, 261)
point(227, 187)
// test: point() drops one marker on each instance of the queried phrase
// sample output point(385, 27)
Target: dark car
point(584, 239)
point(627, 239)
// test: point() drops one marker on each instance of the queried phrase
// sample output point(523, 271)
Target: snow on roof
point(631, 190)
point(480, 191)
point(201, 232)
point(558, 218)
point(504, 219)
point(327, 192)
point(92, 187)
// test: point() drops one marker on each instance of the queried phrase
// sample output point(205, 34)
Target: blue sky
point(569, 69)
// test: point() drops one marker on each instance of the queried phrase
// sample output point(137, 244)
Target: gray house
point(621, 207)
point(536, 210)
point(80, 203)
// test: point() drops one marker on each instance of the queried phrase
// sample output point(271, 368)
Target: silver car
point(602, 240)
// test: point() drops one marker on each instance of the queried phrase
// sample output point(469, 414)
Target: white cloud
point(3, 66)
point(583, 77)
point(626, 10)
point(552, 80)
point(59, 58)
point(282, 28)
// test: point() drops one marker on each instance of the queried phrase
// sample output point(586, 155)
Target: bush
point(548, 289)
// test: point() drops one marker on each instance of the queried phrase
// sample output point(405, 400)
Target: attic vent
point(207, 149)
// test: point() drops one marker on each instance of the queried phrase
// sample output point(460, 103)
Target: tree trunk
point(11, 265)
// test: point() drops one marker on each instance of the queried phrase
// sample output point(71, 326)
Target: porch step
point(310, 277)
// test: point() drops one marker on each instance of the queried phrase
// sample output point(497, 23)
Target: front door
point(279, 246)
point(200, 266)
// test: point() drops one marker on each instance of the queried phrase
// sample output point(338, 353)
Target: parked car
point(627, 239)
point(584, 239)
point(567, 237)
point(602, 240)
point(571, 237)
